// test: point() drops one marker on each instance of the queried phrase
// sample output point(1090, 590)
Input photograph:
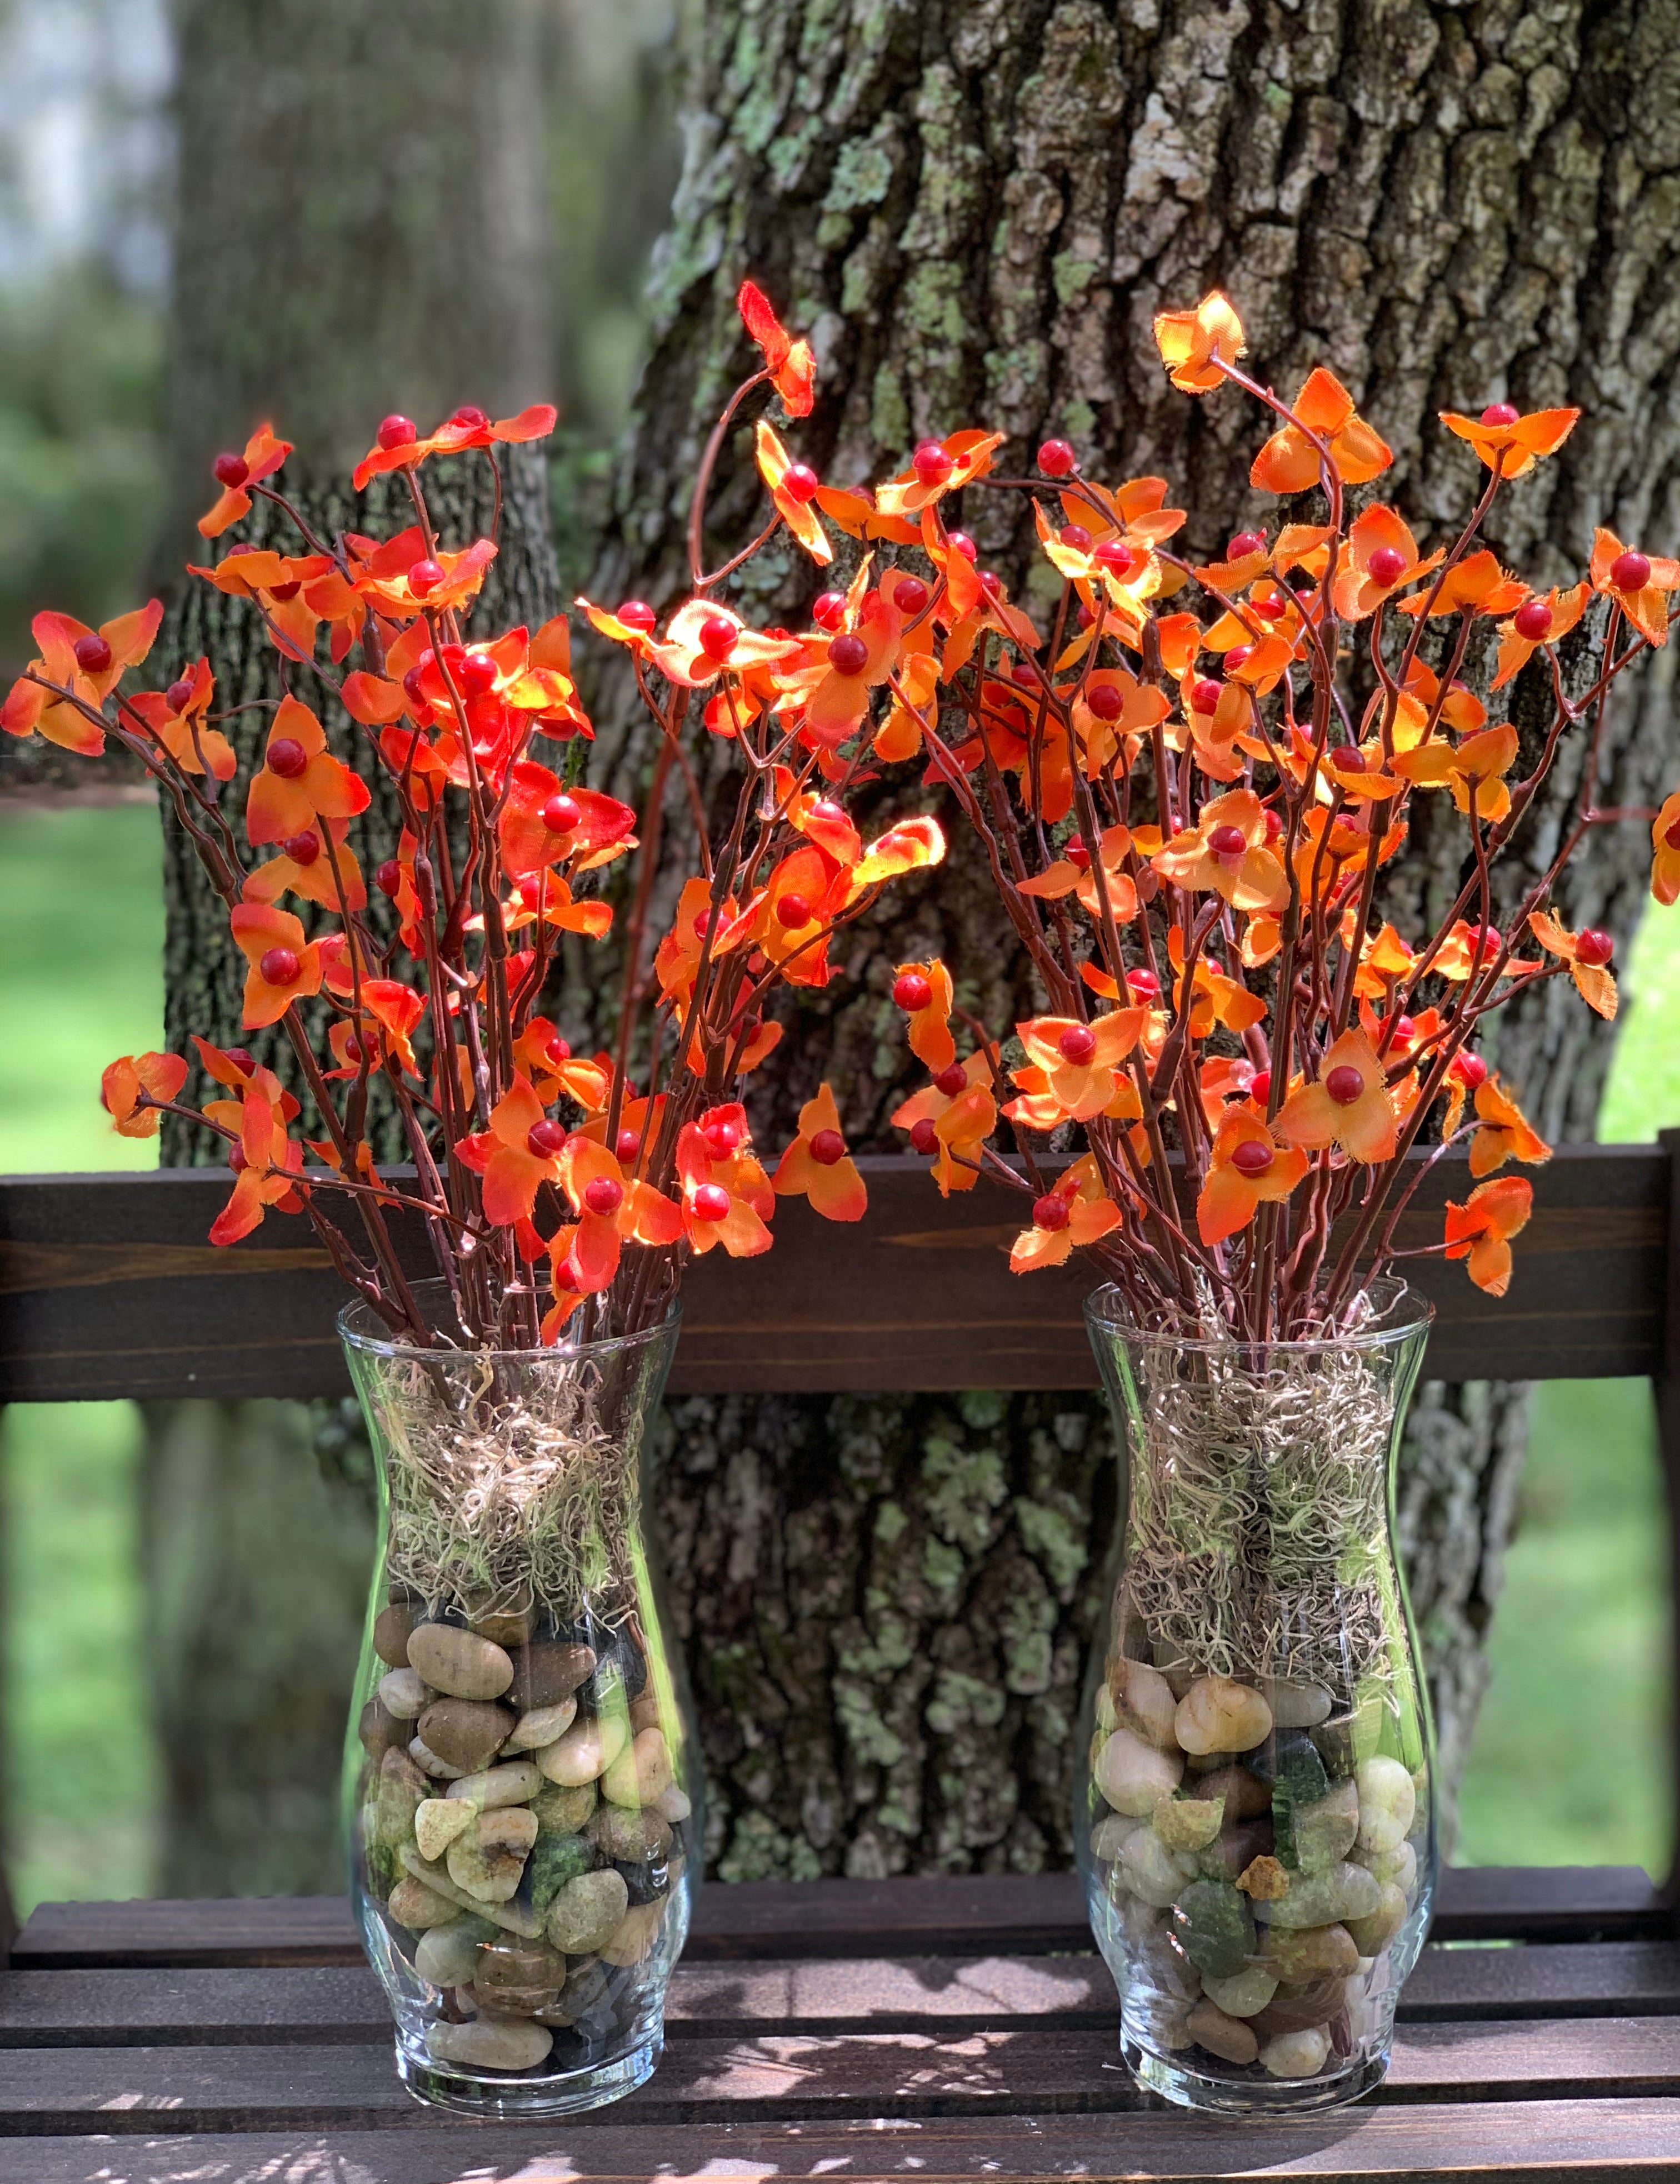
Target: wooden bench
point(918, 2028)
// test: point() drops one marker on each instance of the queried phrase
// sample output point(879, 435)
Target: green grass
point(1570, 1764)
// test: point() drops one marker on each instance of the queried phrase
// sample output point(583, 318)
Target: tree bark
point(977, 209)
point(362, 228)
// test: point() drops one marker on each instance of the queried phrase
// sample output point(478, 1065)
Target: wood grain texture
point(272, 2006)
point(1541, 2141)
point(929, 1915)
point(794, 2076)
point(107, 1289)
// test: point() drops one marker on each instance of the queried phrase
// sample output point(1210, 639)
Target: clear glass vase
point(1254, 1825)
point(521, 1779)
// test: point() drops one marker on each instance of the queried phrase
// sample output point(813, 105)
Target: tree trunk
point(362, 228)
point(977, 210)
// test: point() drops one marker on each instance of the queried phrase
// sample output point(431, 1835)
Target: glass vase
point(521, 1778)
point(1254, 1825)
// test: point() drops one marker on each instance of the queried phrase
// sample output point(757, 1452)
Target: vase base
point(525, 2095)
point(1187, 2087)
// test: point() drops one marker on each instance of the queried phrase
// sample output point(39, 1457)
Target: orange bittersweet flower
point(1539, 620)
point(790, 364)
point(727, 1196)
point(131, 1088)
point(817, 1165)
point(951, 1119)
point(300, 780)
point(1348, 1106)
point(88, 664)
point(268, 1161)
point(1074, 1211)
point(1194, 344)
point(1504, 1133)
point(1227, 852)
point(1289, 461)
point(793, 487)
point(1507, 443)
point(1639, 583)
point(611, 1209)
point(283, 967)
point(1381, 555)
point(516, 1156)
point(1249, 1166)
point(1480, 1230)
point(397, 448)
point(1666, 852)
point(1587, 955)
point(1080, 1060)
point(237, 474)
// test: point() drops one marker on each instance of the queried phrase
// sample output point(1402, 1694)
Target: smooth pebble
point(641, 1774)
point(447, 1956)
point(1143, 1702)
point(1343, 1891)
point(403, 1694)
point(1299, 1706)
point(540, 1726)
point(487, 1859)
point(1189, 1823)
point(390, 1629)
point(491, 2043)
point(428, 1761)
point(459, 1664)
point(1217, 1714)
point(438, 1822)
point(588, 1747)
point(1133, 1775)
point(467, 1733)
point(588, 1911)
point(1315, 1837)
point(1296, 2055)
point(1150, 1870)
point(515, 1784)
point(1374, 1932)
point(1386, 1803)
point(1245, 1993)
point(414, 1905)
point(1228, 2037)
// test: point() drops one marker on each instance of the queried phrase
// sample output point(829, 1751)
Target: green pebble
point(556, 1860)
point(1214, 1928)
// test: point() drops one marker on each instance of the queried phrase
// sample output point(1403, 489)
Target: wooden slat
point(797, 2075)
point(168, 2007)
point(109, 1287)
point(927, 1915)
point(1540, 2142)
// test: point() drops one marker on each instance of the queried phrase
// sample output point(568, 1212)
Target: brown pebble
point(1229, 2038)
point(379, 1729)
point(505, 1630)
point(1235, 1847)
point(547, 1671)
point(390, 1629)
point(1246, 1796)
point(645, 1711)
point(1299, 2009)
point(1265, 1881)
point(466, 1733)
point(1298, 1954)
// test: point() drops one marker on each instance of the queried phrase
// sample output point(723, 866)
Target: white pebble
point(586, 1748)
point(674, 1806)
point(491, 2043)
point(542, 1726)
point(1152, 1873)
point(405, 1694)
point(1143, 1702)
point(1386, 1802)
point(1133, 1775)
point(437, 1822)
point(429, 1764)
point(1296, 2055)
point(1217, 1714)
point(515, 1784)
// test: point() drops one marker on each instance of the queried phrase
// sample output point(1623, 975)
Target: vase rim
point(359, 1328)
point(1401, 1313)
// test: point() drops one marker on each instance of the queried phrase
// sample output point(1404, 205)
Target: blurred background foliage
point(1569, 1762)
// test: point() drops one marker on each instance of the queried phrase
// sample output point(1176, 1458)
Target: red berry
point(473, 418)
point(1117, 557)
point(1470, 1069)
point(1244, 546)
point(1630, 571)
point(924, 1137)
point(628, 1146)
point(1484, 939)
point(1533, 620)
point(952, 1081)
point(279, 966)
point(719, 637)
point(991, 584)
point(236, 1156)
point(1078, 536)
point(413, 683)
point(284, 592)
point(604, 1195)
point(287, 757)
point(1499, 413)
point(1404, 1030)
point(799, 481)
point(828, 609)
point(911, 991)
point(556, 1052)
point(93, 654)
point(230, 469)
point(826, 808)
point(1056, 458)
point(1086, 617)
point(544, 1140)
point(396, 432)
point(389, 877)
point(241, 1059)
point(793, 910)
point(960, 543)
point(561, 813)
point(1350, 758)
point(1252, 1158)
point(1024, 675)
point(930, 463)
point(1237, 657)
point(425, 577)
point(179, 695)
point(710, 1202)
point(848, 654)
point(1344, 1084)
point(1050, 1211)
point(1104, 701)
point(909, 596)
point(1205, 693)
point(1076, 1044)
point(1260, 1087)
point(1144, 984)
point(1228, 841)
point(1387, 564)
point(1078, 857)
point(1595, 947)
point(303, 849)
point(721, 1138)
point(636, 614)
point(827, 1147)
point(478, 675)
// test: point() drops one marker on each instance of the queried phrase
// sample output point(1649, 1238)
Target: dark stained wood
point(1539, 2142)
point(795, 2075)
point(1030, 1914)
point(108, 1288)
point(167, 2006)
